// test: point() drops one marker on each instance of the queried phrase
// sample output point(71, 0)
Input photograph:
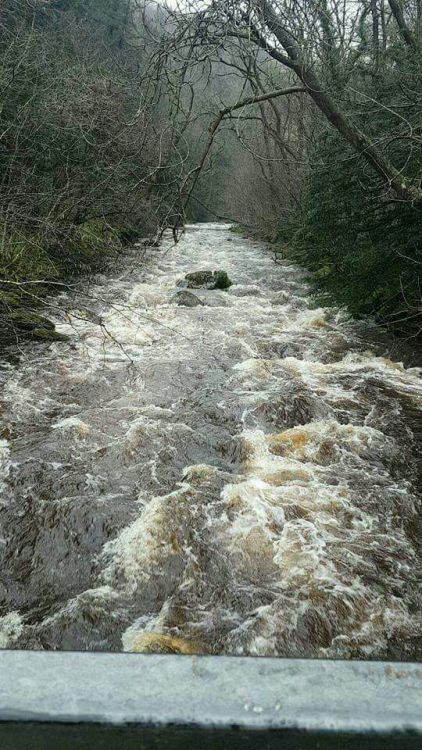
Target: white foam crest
point(151, 623)
point(144, 545)
point(96, 601)
point(22, 398)
point(158, 534)
point(322, 441)
point(321, 554)
point(11, 627)
point(403, 380)
point(73, 424)
point(145, 430)
point(5, 464)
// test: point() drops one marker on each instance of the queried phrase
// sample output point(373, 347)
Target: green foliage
point(128, 234)
point(91, 245)
point(364, 245)
point(24, 257)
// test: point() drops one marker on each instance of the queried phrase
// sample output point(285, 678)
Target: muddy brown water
point(239, 477)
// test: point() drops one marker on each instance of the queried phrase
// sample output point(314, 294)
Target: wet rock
point(186, 299)
point(198, 279)
point(221, 280)
point(48, 334)
point(218, 298)
point(27, 320)
point(282, 298)
point(29, 324)
point(206, 280)
point(215, 300)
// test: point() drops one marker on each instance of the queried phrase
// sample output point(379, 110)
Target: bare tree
point(298, 35)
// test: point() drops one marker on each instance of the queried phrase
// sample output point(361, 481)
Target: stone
point(186, 299)
point(31, 325)
point(198, 279)
point(282, 298)
point(221, 280)
point(134, 692)
point(206, 280)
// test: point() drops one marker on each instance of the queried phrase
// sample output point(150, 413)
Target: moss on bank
point(33, 265)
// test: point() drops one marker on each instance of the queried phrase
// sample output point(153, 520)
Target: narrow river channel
point(239, 477)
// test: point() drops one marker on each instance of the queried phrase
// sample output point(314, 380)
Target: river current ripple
point(240, 477)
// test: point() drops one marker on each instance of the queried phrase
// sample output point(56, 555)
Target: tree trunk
point(375, 34)
point(391, 177)
point(406, 33)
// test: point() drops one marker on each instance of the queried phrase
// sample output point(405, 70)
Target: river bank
point(33, 269)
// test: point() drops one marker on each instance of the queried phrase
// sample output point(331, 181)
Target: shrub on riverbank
point(364, 250)
point(78, 145)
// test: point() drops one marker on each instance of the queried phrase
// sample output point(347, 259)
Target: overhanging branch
point(248, 101)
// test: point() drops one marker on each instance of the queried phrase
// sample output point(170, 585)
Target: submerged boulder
point(206, 280)
point(186, 299)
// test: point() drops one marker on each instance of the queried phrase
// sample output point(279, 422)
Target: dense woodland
point(300, 120)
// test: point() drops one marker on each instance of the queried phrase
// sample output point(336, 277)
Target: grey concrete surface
point(210, 691)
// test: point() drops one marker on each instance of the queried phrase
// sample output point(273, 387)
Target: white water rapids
point(240, 477)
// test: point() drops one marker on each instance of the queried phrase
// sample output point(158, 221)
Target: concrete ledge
point(210, 692)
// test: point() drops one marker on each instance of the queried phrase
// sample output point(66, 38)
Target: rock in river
point(186, 299)
point(198, 279)
point(221, 280)
point(206, 280)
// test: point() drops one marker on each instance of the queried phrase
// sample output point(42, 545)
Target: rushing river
point(240, 477)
